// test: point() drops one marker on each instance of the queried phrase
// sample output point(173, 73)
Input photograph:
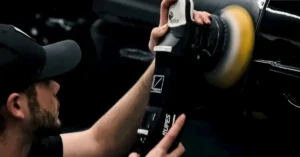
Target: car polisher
point(223, 49)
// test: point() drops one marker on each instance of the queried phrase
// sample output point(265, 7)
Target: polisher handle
point(166, 101)
point(180, 22)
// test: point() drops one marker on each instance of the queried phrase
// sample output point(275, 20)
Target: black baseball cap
point(23, 61)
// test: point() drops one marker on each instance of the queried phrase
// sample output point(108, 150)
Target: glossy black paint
point(277, 46)
point(280, 22)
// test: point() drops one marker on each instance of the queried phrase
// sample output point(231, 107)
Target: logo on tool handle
point(168, 124)
point(177, 14)
point(171, 15)
point(157, 84)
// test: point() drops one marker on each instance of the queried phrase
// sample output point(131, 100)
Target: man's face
point(44, 106)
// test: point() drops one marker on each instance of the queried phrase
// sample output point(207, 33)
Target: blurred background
point(115, 54)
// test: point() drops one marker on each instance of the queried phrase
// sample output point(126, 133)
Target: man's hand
point(105, 138)
point(161, 149)
point(200, 17)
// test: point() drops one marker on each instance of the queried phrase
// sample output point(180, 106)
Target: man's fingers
point(157, 33)
point(134, 155)
point(169, 138)
point(198, 19)
point(206, 13)
point(164, 9)
point(178, 151)
point(202, 17)
point(205, 17)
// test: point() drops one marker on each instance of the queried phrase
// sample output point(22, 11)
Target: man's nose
point(55, 86)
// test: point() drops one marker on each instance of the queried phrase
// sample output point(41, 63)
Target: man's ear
point(14, 107)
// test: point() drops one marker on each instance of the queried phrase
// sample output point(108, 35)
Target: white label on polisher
point(176, 15)
point(143, 131)
point(162, 49)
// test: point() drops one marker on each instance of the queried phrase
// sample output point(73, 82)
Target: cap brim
point(61, 57)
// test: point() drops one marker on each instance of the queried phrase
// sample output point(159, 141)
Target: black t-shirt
point(47, 147)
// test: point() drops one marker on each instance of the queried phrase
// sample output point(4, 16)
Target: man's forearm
point(118, 127)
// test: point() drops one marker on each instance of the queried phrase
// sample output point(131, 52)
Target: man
point(29, 107)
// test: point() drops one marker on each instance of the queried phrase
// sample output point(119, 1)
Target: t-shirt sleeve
point(47, 147)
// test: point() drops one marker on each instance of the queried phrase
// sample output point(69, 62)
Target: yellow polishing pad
point(236, 58)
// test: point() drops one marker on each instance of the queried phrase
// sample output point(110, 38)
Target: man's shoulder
point(48, 146)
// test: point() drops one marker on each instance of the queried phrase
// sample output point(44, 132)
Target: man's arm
point(114, 133)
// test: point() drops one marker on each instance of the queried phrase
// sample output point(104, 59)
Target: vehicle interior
point(260, 117)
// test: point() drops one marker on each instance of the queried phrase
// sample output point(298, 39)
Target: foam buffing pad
point(238, 45)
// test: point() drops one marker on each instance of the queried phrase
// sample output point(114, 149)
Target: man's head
point(27, 92)
point(34, 110)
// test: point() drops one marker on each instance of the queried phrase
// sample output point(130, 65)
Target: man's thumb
point(156, 34)
point(159, 32)
point(134, 155)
